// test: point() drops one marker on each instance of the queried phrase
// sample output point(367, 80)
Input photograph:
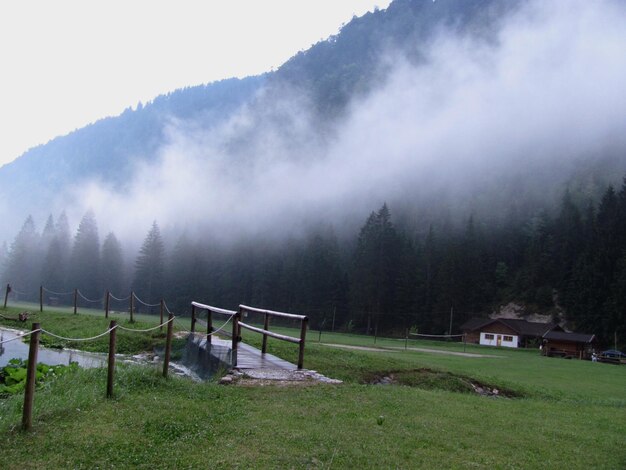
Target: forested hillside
point(571, 265)
point(430, 158)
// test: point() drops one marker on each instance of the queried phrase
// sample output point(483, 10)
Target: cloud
point(478, 118)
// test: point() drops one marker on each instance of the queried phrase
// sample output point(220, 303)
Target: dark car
point(613, 356)
point(614, 353)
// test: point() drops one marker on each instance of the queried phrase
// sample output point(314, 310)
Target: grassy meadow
point(566, 413)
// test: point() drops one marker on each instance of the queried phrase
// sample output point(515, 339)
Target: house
point(563, 344)
point(506, 332)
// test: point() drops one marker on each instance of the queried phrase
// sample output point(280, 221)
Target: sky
point(68, 63)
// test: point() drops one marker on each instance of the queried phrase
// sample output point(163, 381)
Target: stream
point(19, 349)
point(195, 360)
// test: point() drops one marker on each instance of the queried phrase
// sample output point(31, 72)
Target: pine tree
point(537, 275)
point(149, 267)
point(375, 271)
point(84, 269)
point(64, 246)
point(186, 275)
point(48, 234)
point(49, 251)
point(52, 277)
point(113, 278)
point(322, 289)
point(23, 263)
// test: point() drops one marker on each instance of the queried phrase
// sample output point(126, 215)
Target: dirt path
point(394, 349)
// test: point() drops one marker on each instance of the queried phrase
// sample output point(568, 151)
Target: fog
point(477, 123)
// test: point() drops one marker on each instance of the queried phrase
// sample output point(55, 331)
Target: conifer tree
point(185, 274)
point(113, 278)
point(84, 269)
point(52, 277)
point(23, 264)
point(64, 243)
point(375, 271)
point(149, 266)
point(49, 232)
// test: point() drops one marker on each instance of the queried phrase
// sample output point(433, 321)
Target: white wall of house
point(498, 339)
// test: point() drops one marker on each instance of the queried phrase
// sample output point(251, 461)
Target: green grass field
point(570, 414)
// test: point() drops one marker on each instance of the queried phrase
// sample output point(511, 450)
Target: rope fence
point(105, 301)
point(144, 303)
point(36, 331)
point(56, 293)
point(19, 337)
point(210, 331)
point(146, 330)
point(88, 300)
point(215, 331)
point(119, 300)
point(79, 339)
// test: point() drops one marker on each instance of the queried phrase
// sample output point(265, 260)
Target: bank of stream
point(191, 359)
point(16, 348)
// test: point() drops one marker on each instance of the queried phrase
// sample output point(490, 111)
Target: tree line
point(570, 263)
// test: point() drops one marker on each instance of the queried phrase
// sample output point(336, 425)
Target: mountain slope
point(423, 93)
point(109, 149)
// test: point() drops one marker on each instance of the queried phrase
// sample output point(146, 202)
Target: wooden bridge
point(243, 355)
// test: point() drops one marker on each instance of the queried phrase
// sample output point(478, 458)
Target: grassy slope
point(574, 417)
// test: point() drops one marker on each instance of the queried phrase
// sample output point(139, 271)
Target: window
point(507, 338)
point(488, 336)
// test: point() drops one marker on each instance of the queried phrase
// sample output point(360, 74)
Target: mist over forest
point(433, 155)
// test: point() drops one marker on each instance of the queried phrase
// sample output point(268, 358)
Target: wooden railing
point(195, 306)
point(267, 333)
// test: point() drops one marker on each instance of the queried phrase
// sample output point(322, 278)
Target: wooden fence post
point(111, 369)
point(132, 306)
point(406, 339)
point(376, 330)
point(168, 345)
point(31, 370)
point(235, 336)
point(75, 301)
point(193, 318)
point(41, 298)
point(106, 304)
point(305, 322)
point(161, 308)
point(209, 326)
point(266, 325)
point(6, 295)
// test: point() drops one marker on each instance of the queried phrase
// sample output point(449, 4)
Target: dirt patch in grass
point(430, 379)
point(278, 377)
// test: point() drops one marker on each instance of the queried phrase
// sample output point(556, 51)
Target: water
point(205, 360)
point(196, 360)
point(19, 349)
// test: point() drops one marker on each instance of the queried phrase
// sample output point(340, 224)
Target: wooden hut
point(569, 345)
